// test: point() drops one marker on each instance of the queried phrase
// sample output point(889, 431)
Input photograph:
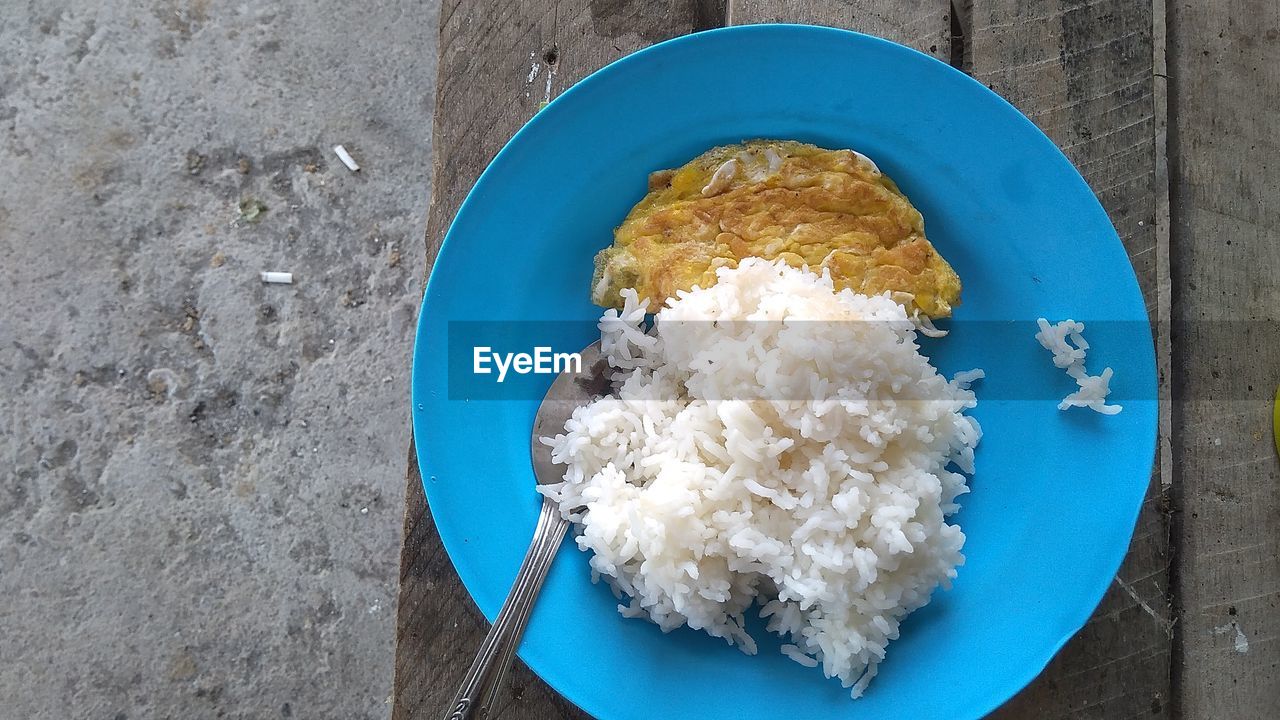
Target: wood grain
point(1083, 72)
point(921, 24)
point(499, 60)
point(1224, 74)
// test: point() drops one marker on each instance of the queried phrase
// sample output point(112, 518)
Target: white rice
point(798, 460)
point(1066, 341)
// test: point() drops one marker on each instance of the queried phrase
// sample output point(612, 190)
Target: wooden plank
point(499, 60)
point(1224, 132)
point(921, 24)
point(1083, 72)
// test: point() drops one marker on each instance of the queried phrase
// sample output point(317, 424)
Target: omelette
point(828, 209)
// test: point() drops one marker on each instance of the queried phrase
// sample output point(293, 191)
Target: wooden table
point(1172, 113)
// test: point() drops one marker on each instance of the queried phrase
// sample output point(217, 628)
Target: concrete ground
point(201, 476)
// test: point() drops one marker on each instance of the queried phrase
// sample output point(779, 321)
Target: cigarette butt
point(346, 158)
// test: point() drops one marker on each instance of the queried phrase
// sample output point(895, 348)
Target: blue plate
point(1056, 494)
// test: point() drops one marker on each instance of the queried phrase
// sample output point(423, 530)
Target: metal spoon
point(484, 679)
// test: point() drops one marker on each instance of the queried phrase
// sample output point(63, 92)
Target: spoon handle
point(506, 659)
point(488, 670)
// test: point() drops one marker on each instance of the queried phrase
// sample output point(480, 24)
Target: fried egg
point(830, 210)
